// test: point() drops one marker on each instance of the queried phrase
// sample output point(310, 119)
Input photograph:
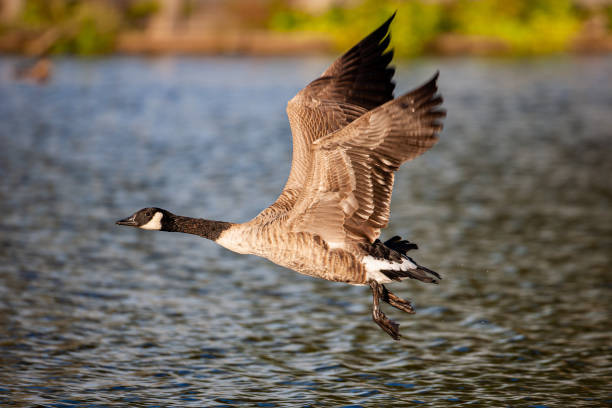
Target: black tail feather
point(396, 249)
point(427, 270)
point(420, 273)
point(400, 245)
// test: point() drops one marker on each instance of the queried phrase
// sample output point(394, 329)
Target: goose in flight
point(349, 136)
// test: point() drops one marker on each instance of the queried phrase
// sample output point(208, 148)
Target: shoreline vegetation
point(295, 27)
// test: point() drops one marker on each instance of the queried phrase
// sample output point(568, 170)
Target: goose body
point(349, 137)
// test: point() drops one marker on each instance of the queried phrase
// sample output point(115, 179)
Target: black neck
point(196, 226)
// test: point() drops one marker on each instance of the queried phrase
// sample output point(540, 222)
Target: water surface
point(512, 207)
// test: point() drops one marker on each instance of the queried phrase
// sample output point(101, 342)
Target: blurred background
point(110, 106)
point(447, 27)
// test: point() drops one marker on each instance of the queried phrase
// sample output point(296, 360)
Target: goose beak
point(129, 221)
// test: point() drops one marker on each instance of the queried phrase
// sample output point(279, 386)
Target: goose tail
point(389, 262)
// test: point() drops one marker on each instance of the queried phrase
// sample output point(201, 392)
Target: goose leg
point(395, 301)
point(389, 326)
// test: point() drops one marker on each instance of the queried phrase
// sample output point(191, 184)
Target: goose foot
point(395, 301)
point(389, 326)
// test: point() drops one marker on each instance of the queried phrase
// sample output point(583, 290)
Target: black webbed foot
point(389, 326)
point(395, 301)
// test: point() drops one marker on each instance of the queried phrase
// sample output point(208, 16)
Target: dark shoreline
point(270, 43)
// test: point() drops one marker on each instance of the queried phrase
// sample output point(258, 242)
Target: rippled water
point(513, 207)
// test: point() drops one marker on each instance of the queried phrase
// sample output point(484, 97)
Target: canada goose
point(349, 136)
point(38, 71)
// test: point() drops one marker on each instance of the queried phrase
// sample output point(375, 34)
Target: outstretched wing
point(355, 83)
point(347, 192)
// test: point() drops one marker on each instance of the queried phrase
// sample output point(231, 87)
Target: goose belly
point(318, 260)
point(305, 253)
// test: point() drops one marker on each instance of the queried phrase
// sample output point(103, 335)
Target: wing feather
point(355, 83)
point(356, 164)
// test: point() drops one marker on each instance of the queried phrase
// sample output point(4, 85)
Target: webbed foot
point(388, 325)
point(395, 301)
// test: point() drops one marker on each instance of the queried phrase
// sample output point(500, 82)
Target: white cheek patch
point(155, 223)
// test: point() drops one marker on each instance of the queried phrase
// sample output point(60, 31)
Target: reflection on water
point(512, 206)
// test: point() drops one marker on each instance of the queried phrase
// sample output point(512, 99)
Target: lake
point(513, 207)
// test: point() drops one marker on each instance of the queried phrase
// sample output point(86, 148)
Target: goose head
point(150, 218)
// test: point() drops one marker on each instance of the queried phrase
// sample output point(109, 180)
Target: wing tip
point(388, 21)
point(382, 33)
point(427, 93)
point(433, 81)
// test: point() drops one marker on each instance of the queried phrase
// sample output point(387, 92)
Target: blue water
point(512, 207)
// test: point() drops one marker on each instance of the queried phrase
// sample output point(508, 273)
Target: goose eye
point(148, 213)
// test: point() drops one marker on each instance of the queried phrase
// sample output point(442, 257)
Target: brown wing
point(355, 83)
point(348, 190)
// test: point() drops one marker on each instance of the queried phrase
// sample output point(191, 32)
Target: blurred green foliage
point(80, 27)
point(137, 12)
point(526, 26)
point(417, 22)
point(518, 27)
point(141, 9)
point(608, 12)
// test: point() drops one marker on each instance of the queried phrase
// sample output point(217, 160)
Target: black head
point(150, 218)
